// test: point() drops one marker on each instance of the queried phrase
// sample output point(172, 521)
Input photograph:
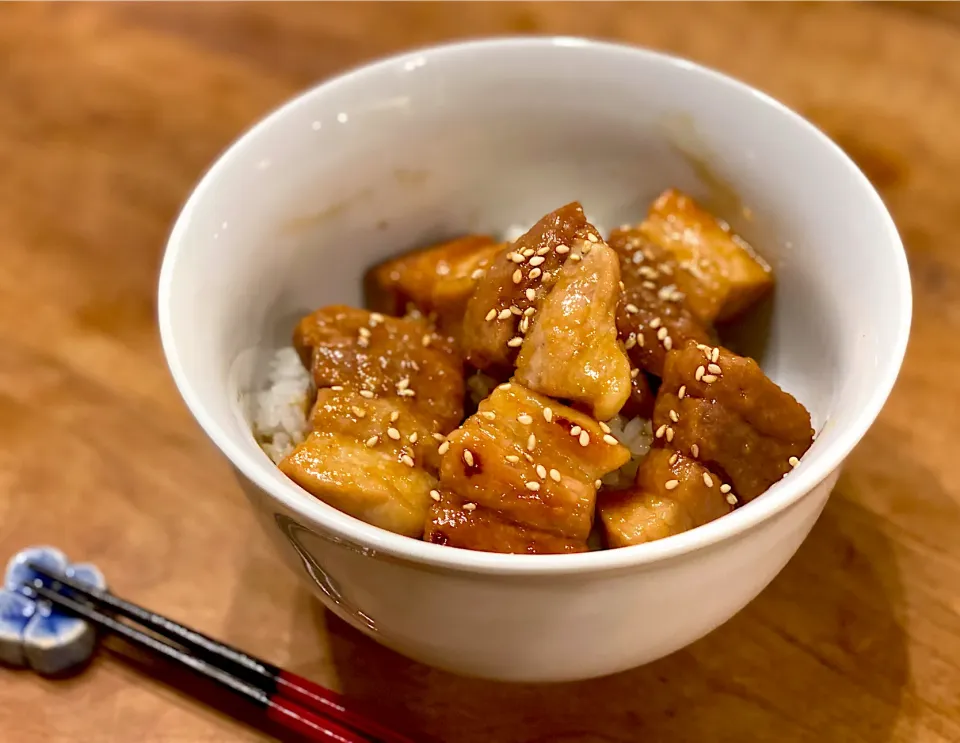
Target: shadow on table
point(819, 653)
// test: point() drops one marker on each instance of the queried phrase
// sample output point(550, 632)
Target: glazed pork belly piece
point(722, 410)
point(437, 281)
point(546, 307)
point(719, 273)
point(521, 475)
point(388, 392)
point(672, 494)
point(652, 316)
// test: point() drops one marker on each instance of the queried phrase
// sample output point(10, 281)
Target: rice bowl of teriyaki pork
point(519, 384)
point(499, 396)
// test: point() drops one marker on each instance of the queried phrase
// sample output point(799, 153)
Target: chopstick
point(289, 698)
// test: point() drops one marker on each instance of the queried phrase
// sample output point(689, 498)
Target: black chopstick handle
point(285, 712)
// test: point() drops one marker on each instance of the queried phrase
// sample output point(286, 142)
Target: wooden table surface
point(108, 115)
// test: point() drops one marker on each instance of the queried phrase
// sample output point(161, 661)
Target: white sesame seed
point(669, 434)
point(534, 273)
point(393, 433)
point(517, 276)
point(469, 506)
point(513, 458)
point(516, 257)
point(631, 341)
point(608, 439)
point(489, 415)
point(515, 342)
point(575, 431)
point(640, 340)
point(503, 314)
point(592, 238)
point(407, 460)
point(655, 323)
point(695, 450)
point(575, 258)
point(367, 394)
point(359, 412)
point(555, 475)
point(477, 274)
point(468, 457)
point(541, 471)
point(490, 315)
point(363, 342)
point(702, 347)
point(536, 260)
point(707, 480)
point(649, 285)
point(505, 386)
point(699, 374)
point(514, 310)
point(439, 437)
point(668, 343)
point(622, 286)
point(584, 438)
point(406, 393)
point(631, 309)
point(375, 317)
point(671, 484)
point(412, 438)
point(793, 461)
point(435, 494)
point(543, 251)
point(372, 441)
point(603, 427)
point(426, 340)
point(673, 416)
point(337, 388)
point(529, 312)
point(403, 383)
point(530, 294)
point(709, 378)
point(364, 332)
point(393, 416)
point(715, 355)
point(714, 369)
point(673, 458)
point(528, 252)
point(561, 249)
point(534, 486)
point(443, 448)
point(662, 333)
point(548, 414)
point(725, 488)
point(682, 391)
point(531, 442)
point(525, 419)
point(660, 431)
point(634, 373)
point(731, 499)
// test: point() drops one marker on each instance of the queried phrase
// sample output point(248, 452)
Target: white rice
point(279, 408)
point(637, 435)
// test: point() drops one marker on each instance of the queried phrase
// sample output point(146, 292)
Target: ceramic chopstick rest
point(36, 634)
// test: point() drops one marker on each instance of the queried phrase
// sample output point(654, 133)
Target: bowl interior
point(477, 137)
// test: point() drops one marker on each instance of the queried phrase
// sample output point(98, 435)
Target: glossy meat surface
point(386, 357)
point(520, 276)
point(437, 280)
point(672, 494)
point(481, 529)
point(731, 417)
point(529, 461)
point(652, 316)
point(572, 351)
point(720, 273)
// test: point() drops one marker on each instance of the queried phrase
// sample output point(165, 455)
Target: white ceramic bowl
point(475, 137)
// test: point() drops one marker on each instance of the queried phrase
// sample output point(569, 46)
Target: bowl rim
point(378, 543)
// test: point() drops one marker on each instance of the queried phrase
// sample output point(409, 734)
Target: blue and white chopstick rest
point(35, 634)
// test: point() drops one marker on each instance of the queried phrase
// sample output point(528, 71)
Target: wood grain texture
point(109, 113)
